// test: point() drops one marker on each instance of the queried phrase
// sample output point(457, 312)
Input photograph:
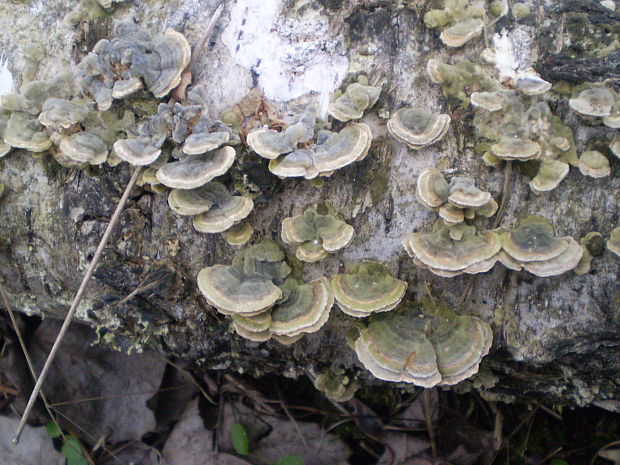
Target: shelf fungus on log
point(366, 288)
point(239, 234)
point(298, 151)
point(426, 345)
point(120, 67)
point(456, 201)
point(595, 101)
point(216, 208)
point(534, 245)
point(336, 385)
point(354, 101)
point(316, 234)
point(418, 128)
point(613, 244)
point(460, 20)
point(249, 286)
point(264, 301)
point(447, 257)
point(594, 164)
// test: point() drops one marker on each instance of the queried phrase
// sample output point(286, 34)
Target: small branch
point(22, 344)
point(429, 421)
point(76, 301)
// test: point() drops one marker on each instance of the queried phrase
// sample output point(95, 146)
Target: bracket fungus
point(299, 151)
point(239, 234)
point(460, 21)
point(426, 345)
point(594, 164)
point(336, 385)
point(366, 288)
point(456, 201)
point(418, 128)
point(445, 256)
point(613, 244)
point(264, 301)
point(594, 101)
point(354, 101)
point(120, 67)
point(534, 245)
point(316, 234)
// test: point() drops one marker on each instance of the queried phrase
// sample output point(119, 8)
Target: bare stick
point(76, 301)
point(22, 344)
point(429, 420)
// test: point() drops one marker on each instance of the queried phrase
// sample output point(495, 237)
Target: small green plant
point(71, 447)
point(241, 443)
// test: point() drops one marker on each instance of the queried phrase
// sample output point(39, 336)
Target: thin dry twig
point(76, 301)
point(188, 376)
point(606, 446)
point(290, 417)
point(429, 421)
point(22, 344)
point(521, 424)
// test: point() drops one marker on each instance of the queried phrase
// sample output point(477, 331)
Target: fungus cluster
point(133, 60)
point(418, 128)
point(462, 20)
point(455, 202)
point(594, 101)
point(352, 103)
point(613, 244)
point(367, 288)
point(263, 300)
point(300, 150)
point(315, 233)
point(426, 345)
point(336, 385)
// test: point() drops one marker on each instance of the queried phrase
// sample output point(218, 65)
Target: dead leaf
point(189, 441)
point(34, 448)
point(105, 391)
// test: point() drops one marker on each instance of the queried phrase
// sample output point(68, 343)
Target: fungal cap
point(418, 128)
point(451, 214)
point(550, 174)
point(352, 103)
point(432, 190)
point(232, 292)
point(533, 240)
point(531, 83)
point(566, 261)
point(462, 32)
point(26, 133)
point(594, 164)
point(336, 386)
point(368, 287)
point(342, 148)
point(196, 144)
point(491, 101)
point(174, 53)
point(514, 148)
point(193, 172)
point(196, 201)
point(594, 101)
point(139, 151)
point(614, 146)
point(84, 147)
point(460, 342)
point(125, 87)
point(239, 234)
point(304, 307)
point(61, 113)
point(464, 194)
point(397, 349)
point(223, 215)
point(613, 244)
point(295, 164)
point(438, 250)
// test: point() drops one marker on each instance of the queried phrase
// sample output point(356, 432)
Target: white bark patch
point(6, 78)
point(512, 52)
point(291, 55)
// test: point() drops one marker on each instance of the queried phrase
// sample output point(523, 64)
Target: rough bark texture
point(557, 336)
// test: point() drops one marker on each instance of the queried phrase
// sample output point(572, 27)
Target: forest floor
point(146, 409)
